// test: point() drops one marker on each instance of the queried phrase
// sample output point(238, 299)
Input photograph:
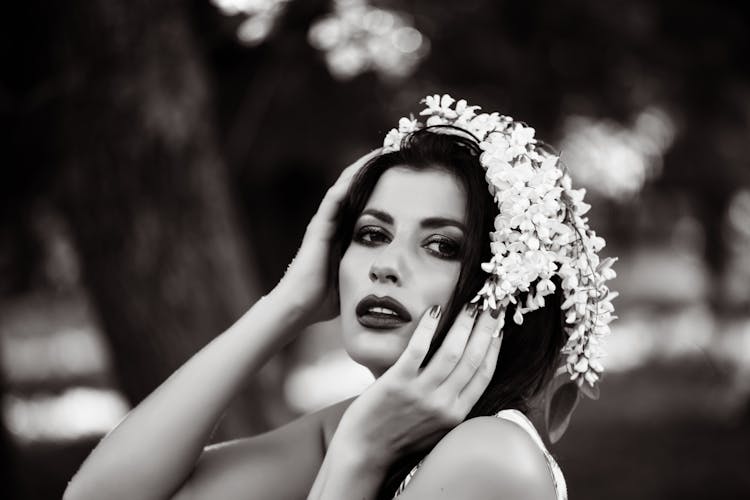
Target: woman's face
point(404, 257)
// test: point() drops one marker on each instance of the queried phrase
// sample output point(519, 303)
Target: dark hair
point(530, 351)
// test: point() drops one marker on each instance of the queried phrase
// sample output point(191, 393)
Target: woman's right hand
point(306, 282)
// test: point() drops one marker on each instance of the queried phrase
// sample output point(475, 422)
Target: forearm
point(153, 450)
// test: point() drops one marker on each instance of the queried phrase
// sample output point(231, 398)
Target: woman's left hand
point(409, 408)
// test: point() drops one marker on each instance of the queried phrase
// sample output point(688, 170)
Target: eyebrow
point(430, 222)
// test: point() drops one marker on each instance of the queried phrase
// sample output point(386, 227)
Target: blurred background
point(160, 161)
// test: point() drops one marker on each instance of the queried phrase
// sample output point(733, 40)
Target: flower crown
point(540, 231)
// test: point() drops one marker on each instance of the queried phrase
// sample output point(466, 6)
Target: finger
point(481, 379)
point(474, 354)
point(352, 169)
point(334, 196)
point(411, 359)
point(346, 176)
point(449, 354)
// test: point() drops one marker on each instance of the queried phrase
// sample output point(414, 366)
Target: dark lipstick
point(381, 313)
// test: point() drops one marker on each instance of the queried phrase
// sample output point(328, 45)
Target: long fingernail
point(472, 309)
point(499, 339)
point(498, 330)
point(435, 311)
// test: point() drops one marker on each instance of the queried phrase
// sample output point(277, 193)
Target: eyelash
point(452, 254)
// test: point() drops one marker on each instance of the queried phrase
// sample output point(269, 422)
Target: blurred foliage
point(286, 125)
point(283, 116)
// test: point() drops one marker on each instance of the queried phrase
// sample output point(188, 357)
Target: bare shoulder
point(484, 458)
point(278, 464)
point(330, 417)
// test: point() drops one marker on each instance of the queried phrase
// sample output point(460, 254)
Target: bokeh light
point(260, 17)
point(77, 413)
point(357, 37)
point(616, 161)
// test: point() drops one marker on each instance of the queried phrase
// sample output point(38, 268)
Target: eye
point(442, 247)
point(371, 235)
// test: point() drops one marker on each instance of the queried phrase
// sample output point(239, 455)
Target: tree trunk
point(146, 194)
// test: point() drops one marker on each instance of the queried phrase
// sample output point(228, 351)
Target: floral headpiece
point(540, 231)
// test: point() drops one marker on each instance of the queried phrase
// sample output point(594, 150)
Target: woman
point(399, 247)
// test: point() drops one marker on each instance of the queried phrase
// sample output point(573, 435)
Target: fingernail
point(472, 309)
point(499, 338)
point(435, 311)
point(498, 330)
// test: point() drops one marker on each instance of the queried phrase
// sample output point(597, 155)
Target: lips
point(381, 313)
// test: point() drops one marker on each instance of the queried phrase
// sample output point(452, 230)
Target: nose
point(388, 267)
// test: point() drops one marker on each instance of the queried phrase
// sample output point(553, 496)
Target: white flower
point(465, 114)
point(596, 366)
point(522, 135)
point(545, 286)
point(439, 105)
point(407, 125)
point(436, 120)
point(392, 140)
point(539, 232)
point(483, 123)
point(582, 366)
point(497, 148)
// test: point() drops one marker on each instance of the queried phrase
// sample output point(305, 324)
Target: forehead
point(420, 194)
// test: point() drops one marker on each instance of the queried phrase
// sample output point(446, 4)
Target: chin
point(377, 366)
point(376, 350)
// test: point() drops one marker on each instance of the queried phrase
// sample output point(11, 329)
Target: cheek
point(439, 288)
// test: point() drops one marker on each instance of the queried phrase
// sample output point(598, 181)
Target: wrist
point(360, 452)
point(361, 459)
point(346, 469)
point(282, 305)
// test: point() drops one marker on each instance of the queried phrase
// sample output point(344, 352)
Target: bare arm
point(154, 449)
point(277, 465)
point(151, 453)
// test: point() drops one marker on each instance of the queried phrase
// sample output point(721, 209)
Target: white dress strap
point(520, 419)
